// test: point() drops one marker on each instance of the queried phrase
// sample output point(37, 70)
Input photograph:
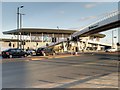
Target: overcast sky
point(66, 15)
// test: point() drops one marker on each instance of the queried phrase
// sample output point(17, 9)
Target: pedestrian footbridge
point(107, 22)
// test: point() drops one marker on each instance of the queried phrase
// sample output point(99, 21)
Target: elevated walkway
point(107, 22)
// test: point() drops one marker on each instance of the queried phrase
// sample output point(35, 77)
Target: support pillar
point(23, 41)
point(86, 44)
point(20, 40)
point(64, 46)
point(78, 45)
point(53, 36)
point(30, 39)
point(82, 45)
point(42, 37)
point(98, 47)
point(63, 36)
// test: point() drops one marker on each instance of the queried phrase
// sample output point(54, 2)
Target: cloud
point(91, 5)
point(87, 18)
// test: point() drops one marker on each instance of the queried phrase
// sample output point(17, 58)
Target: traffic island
point(6, 60)
point(34, 58)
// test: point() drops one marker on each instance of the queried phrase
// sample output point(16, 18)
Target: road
point(82, 71)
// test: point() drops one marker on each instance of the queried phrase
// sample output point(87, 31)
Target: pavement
point(69, 71)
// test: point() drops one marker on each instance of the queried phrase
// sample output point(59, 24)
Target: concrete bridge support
point(64, 47)
point(98, 47)
point(86, 45)
point(79, 46)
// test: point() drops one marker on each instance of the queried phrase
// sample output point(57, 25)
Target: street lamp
point(18, 22)
point(20, 28)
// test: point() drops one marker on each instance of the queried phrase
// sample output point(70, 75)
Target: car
point(31, 52)
point(45, 51)
point(13, 52)
point(111, 50)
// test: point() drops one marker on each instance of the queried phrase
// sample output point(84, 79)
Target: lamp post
point(18, 22)
point(21, 32)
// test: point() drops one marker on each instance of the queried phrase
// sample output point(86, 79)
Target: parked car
point(45, 51)
point(111, 50)
point(13, 52)
point(31, 52)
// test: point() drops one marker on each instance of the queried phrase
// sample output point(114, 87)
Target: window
point(18, 50)
point(13, 50)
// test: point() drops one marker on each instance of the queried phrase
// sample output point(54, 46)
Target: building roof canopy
point(25, 31)
point(35, 31)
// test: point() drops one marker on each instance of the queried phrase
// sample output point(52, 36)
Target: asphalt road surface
point(83, 71)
